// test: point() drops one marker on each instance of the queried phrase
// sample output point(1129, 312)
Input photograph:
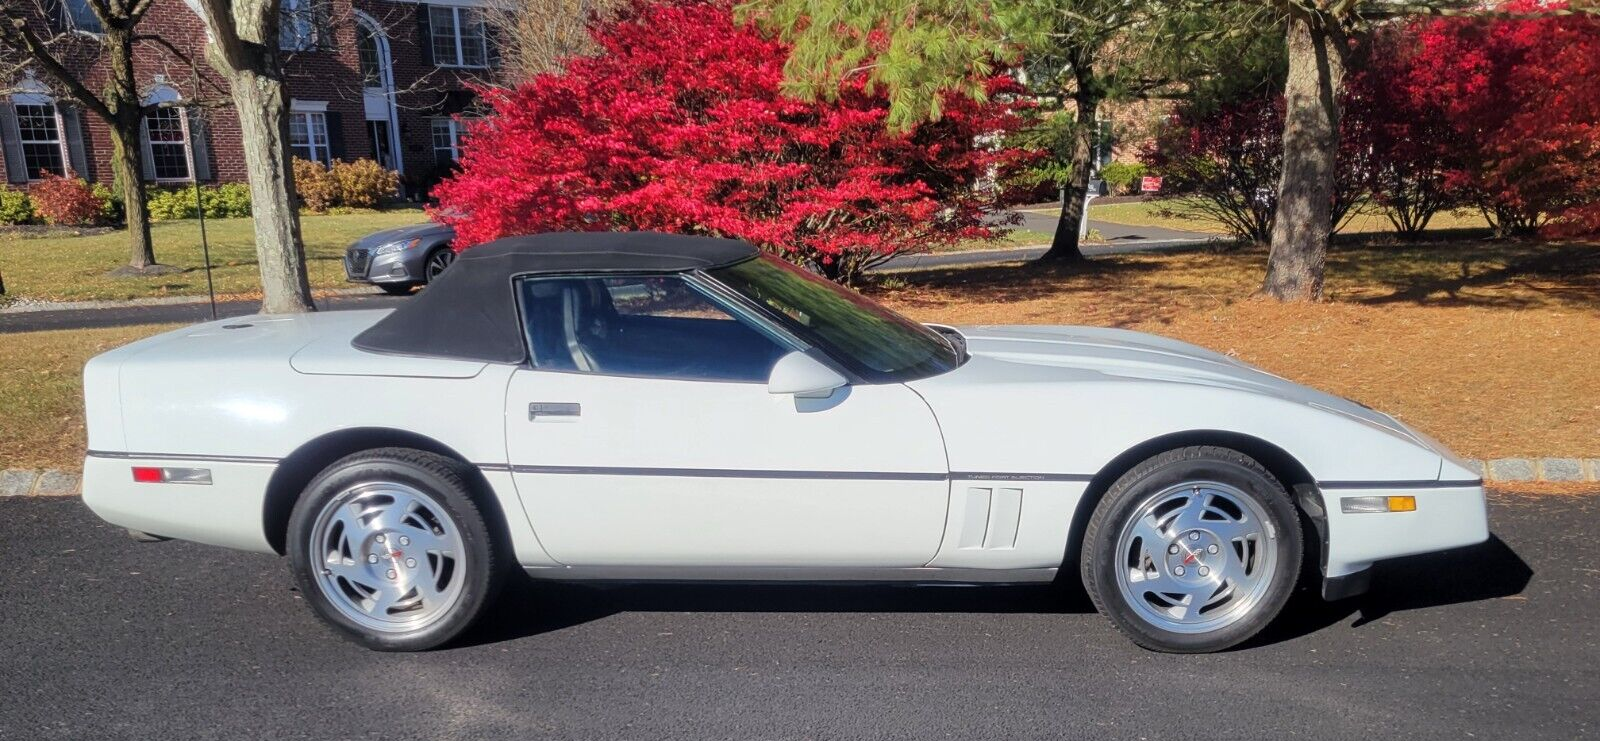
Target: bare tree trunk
point(123, 99)
point(126, 171)
point(1064, 244)
point(1304, 219)
point(244, 48)
point(263, 105)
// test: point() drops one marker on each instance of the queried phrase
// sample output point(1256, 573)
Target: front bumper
point(361, 267)
point(1447, 516)
point(229, 511)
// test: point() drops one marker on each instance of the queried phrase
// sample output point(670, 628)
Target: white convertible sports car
point(644, 406)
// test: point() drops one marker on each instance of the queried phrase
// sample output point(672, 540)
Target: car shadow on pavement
point(529, 608)
point(1490, 570)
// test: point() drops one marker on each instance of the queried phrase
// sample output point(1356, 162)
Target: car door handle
point(546, 409)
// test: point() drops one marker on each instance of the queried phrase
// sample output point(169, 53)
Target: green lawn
point(1017, 237)
point(64, 267)
point(1171, 214)
point(74, 268)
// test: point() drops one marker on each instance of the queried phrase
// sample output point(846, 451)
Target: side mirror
point(801, 375)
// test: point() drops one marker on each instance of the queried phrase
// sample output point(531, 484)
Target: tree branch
point(15, 31)
point(186, 59)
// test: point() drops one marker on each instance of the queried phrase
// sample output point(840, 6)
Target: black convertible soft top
point(470, 311)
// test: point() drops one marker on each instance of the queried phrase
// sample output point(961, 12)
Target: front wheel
point(1193, 550)
point(437, 263)
point(389, 547)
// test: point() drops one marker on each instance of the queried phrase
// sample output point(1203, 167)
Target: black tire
point(1099, 560)
point(396, 289)
point(444, 252)
point(441, 480)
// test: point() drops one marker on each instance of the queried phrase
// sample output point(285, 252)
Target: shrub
point(1122, 178)
point(169, 203)
point(1225, 161)
point(65, 201)
point(1519, 95)
point(15, 207)
point(362, 184)
point(226, 201)
point(315, 185)
point(111, 211)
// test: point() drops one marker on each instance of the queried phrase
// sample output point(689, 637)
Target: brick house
point(387, 80)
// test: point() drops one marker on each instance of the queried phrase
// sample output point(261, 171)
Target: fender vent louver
point(991, 518)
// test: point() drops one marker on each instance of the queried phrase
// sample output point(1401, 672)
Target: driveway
point(102, 637)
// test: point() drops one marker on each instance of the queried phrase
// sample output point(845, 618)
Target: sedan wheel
point(437, 262)
point(391, 549)
point(1193, 550)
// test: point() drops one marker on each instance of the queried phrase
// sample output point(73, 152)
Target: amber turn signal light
point(1365, 505)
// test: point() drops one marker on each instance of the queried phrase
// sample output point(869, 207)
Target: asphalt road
point(101, 637)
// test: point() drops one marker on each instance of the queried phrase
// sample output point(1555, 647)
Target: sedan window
point(649, 326)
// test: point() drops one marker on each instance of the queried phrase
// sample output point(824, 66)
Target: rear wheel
point(389, 547)
point(1193, 550)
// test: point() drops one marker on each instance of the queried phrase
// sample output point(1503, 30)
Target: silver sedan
point(398, 260)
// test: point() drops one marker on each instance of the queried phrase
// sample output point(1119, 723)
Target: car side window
point(646, 326)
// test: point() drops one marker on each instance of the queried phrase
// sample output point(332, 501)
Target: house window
point(298, 28)
point(167, 142)
point(459, 37)
point(448, 136)
point(40, 136)
point(308, 136)
point(79, 17)
point(367, 53)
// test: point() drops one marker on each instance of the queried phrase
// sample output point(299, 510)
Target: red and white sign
point(1149, 184)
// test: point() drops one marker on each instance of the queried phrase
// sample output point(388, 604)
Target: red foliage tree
point(1522, 98)
point(1400, 144)
point(1226, 158)
point(679, 125)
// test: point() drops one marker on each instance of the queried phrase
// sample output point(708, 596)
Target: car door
point(642, 433)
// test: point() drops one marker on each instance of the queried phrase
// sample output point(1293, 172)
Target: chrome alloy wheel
point(437, 262)
point(388, 556)
point(1196, 557)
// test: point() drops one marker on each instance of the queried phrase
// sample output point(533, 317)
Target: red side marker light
point(146, 475)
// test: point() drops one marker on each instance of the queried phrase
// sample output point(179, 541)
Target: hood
point(425, 230)
point(1063, 354)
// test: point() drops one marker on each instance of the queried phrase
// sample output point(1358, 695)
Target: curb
point(22, 482)
point(1538, 469)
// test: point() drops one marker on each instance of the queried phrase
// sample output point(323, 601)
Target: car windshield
point(873, 342)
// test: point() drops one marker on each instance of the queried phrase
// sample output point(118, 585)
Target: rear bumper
point(228, 512)
point(1447, 516)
